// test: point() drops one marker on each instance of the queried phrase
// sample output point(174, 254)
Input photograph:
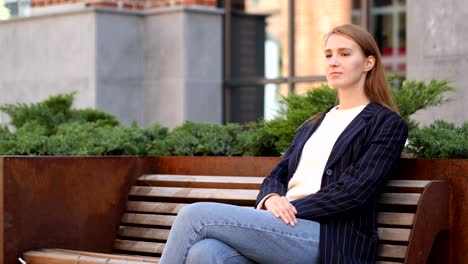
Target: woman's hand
point(281, 208)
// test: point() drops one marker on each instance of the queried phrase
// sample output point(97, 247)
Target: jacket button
point(329, 172)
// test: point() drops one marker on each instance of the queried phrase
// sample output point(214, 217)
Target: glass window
point(383, 33)
point(258, 93)
point(402, 34)
point(356, 4)
point(388, 26)
point(379, 3)
point(13, 7)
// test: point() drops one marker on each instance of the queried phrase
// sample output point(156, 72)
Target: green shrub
point(83, 139)
point(51, 127)
point(29, 139)
point(53, 112)
point(255, 140)
point(417, 95)
point(200, 139)
point(94, 115)
point(440, 140)
point(49, 114)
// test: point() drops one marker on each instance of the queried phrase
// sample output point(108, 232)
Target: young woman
point(318, 205)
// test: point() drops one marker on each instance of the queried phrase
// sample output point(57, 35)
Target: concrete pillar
point(183, 66)
point(437, 34)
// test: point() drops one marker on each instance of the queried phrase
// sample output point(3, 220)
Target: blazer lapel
point(304, 137)
point(350, 132)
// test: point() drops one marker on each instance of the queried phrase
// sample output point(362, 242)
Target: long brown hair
point(375, 86)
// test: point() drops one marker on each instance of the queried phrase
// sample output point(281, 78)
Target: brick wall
point(128, 4)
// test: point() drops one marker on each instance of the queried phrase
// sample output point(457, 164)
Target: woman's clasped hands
point(281, 208)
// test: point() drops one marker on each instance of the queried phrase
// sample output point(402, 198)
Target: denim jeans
point(207, 233)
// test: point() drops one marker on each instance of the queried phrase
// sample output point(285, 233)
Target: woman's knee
point(194, 211)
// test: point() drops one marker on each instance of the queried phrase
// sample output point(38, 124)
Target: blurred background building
point(216, 61)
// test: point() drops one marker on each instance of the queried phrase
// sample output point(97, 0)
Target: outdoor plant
point(52, 127)
point(439, 140)
point(53, 112)
point(413, 96)
point(200, 139)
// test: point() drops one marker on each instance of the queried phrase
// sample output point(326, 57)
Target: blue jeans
point(207, 233)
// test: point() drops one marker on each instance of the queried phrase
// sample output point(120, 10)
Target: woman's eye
point(327, 56)
point(345, 54)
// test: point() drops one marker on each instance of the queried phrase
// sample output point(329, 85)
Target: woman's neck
point(352, 98)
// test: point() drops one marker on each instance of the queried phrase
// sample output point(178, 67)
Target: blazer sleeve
point(277, 180)
point(361, 181)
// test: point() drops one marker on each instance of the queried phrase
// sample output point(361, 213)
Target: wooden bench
point(411, 214)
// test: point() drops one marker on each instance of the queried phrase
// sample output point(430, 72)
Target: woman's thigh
point(256, 234)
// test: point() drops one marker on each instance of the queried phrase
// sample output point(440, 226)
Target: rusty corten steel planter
point(77, 202)
point(451, 246)
point(65, 202)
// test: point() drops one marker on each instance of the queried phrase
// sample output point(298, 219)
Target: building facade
point(211, 62)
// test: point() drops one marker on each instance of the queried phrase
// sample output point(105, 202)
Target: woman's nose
point(334, 61)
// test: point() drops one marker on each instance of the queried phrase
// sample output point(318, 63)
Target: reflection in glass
point(272, 69)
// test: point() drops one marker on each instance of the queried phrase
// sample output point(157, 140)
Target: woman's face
point(345, 64)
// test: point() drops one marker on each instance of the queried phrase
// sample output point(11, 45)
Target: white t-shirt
point(308, 176)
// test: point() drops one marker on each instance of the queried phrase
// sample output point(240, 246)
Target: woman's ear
point(369, 63)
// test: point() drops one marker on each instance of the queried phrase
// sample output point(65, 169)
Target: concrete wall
point(160, 66)
point(48, 55)
point(437, 37)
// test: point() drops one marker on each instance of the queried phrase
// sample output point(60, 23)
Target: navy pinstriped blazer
point(359, 164)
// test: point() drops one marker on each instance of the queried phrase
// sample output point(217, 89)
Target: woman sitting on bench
point(318, 205)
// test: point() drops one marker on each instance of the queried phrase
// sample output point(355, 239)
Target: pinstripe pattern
point(359, 164)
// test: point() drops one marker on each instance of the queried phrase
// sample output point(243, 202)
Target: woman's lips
point(335, 73)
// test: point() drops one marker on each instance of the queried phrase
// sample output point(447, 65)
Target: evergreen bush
point(441, 139)
point(413, 96)
point(200, 139)
point(52, 127)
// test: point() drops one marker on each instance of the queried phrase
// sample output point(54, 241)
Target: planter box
point(451, 246)
point(76, 202)
point(73, 203)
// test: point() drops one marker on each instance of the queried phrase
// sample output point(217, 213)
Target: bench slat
point(141, 232)
point(137, 259)
point(202, 181)
point(195, 193)
point(392, 251)
point(394, 234)
point(146, 219)
point(154, 207)
point(399, 198)
point(138, 246)
point(78, 257)
point(389, 234)
point(408, 183)
point(400, 219)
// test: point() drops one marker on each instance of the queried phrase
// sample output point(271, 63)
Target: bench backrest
point(155, 200)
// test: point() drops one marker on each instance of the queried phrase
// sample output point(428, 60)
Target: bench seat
point(411, 213)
